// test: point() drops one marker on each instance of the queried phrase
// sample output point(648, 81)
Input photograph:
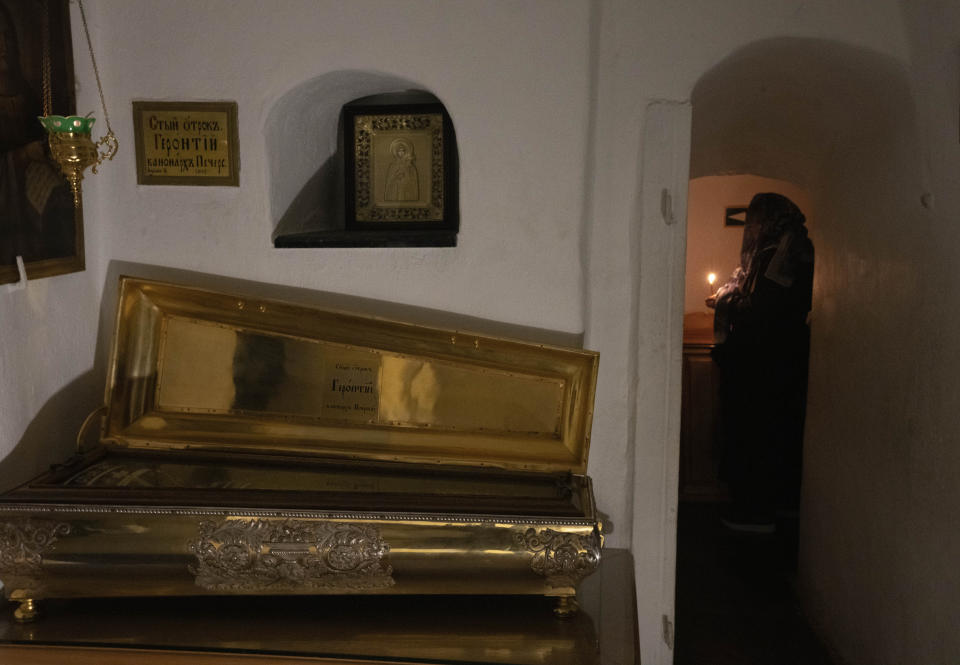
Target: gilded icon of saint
point(403, 180)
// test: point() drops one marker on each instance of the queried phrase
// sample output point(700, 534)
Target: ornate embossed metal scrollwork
point(563, 558)
point(259, 554)
point(23, 543)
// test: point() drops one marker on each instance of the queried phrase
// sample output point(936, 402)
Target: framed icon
point(400, 165)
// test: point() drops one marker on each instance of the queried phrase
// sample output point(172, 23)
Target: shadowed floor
point(735, 600)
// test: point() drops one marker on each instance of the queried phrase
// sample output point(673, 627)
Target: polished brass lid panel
point(197, 369)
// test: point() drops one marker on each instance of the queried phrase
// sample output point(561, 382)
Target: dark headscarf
point(774, 247)
point(781, 229)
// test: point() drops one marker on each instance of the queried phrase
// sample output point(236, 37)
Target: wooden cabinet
point(700, 428)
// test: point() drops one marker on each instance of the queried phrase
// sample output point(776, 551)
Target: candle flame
point(711, 278)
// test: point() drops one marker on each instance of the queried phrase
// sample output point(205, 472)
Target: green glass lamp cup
point(76, 124)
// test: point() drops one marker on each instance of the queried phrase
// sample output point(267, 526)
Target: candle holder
point(73, 148)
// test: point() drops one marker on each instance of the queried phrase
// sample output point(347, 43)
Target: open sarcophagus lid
point(260, 447)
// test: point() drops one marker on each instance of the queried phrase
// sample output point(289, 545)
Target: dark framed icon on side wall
point(38, 219)
point(400, 167)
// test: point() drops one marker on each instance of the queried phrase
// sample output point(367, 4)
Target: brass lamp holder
point(73, 148)
point(71, 145)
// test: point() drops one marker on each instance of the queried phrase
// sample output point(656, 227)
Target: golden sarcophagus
point(260, 448)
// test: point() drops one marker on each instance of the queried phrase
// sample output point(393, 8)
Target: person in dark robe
point(760, 324)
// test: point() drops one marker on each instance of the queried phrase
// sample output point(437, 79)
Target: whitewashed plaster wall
point(879, 514)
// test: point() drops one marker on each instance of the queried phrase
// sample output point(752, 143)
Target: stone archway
point(840, 122)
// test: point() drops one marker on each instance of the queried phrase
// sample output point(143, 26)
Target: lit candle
point(711, 278)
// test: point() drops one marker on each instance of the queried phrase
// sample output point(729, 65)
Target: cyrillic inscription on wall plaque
point(186, 143)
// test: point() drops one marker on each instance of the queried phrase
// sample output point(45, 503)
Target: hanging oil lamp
point(69, 137)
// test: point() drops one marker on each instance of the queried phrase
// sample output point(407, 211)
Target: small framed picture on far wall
point(734, 215)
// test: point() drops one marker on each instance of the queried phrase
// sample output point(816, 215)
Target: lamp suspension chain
point(96, 70)
point(45, 65)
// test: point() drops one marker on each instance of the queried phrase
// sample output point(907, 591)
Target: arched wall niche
point(301, 146)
